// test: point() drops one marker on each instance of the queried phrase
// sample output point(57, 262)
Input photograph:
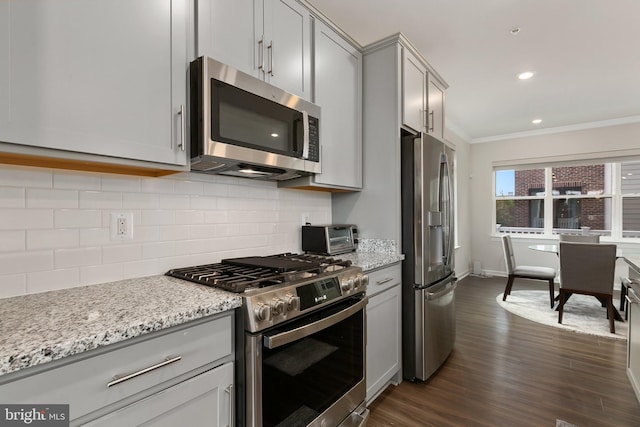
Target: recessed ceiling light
point(275, 135)
point(514, 30)
point(536, 121)
point(526, 75)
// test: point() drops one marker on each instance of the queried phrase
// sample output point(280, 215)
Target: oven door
point(310, 371)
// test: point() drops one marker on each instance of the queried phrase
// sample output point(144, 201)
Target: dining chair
point(524, 271)
point(588, 269)
point(579, 238)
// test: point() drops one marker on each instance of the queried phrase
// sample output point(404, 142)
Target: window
point(630, 189)
point(520, 200)
point(564, 199)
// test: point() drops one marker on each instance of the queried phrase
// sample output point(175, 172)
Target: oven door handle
point(283, 338)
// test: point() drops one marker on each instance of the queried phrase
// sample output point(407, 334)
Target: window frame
point(548, 231)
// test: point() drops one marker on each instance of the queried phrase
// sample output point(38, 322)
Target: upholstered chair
point(524, 271)
point(588, 269)
point(580, 238)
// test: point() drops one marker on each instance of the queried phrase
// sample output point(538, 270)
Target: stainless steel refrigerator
point(428, 279)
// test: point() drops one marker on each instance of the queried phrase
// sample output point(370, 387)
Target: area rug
point(582, 313)
point(561, 423)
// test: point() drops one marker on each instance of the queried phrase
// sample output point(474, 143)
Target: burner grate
point(240, 274)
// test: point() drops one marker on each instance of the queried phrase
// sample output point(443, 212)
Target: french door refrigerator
point(428, 279)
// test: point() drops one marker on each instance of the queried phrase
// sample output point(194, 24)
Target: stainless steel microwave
point(243, 126)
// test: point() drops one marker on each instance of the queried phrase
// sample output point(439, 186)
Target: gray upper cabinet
point(422, 96)
point(338, 92)
point(99, 77)
point(414, 92)
point(436, 108)
point(269, 39)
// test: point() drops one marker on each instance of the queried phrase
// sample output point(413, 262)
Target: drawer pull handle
point(383, 281)
point(232, 409)
point(122, 378)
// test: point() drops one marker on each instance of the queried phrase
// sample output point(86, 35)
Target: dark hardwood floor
point(509, 371)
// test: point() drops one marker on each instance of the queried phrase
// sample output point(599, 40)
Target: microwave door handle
point(305, 137)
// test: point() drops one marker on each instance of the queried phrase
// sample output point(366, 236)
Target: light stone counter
point(40, 328)
point(371, 260)
point(373, 253)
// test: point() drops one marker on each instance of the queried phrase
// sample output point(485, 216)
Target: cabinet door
point(287, 38)
point(104, 77)
point(226, 31)
point(338, 91)
point(205, 400)
point(383, 339)
point(633, 342)
point(436, 109)
point(414, 92)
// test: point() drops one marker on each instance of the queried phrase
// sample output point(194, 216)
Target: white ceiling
point(585, 55)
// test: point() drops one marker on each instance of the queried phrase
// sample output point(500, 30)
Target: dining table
point(629, 255)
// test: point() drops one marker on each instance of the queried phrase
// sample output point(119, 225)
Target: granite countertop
point(371, 260)
point(40, 328)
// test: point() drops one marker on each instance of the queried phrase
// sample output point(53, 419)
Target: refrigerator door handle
point(449, 288)
point(445, 181)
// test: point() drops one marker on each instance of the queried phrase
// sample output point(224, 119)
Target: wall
point(54, 224)
point(596, 143)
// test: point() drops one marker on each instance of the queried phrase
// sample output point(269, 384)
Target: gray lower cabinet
point(94, 77)
point(205, 400)
point(186, 369)
point(384, 333)
point(633, 341)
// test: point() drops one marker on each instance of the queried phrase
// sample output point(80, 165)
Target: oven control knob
point(293, 302)
point(263, 312)
point(347, 285)
point(364, 281)
point(278, 306)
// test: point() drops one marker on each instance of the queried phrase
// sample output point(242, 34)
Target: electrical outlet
point(121, 226)
point(305, 219)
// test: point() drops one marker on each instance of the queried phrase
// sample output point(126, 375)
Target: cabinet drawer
point(87, 383)
point(384, 278)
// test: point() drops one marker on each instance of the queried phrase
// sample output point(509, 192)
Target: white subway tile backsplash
point(172, 232)
point(189, 187)
point(94, 237)
point(77, 218)
point(13, 285)
point(157, 185)
point(24, 262)
point(204, 202)
point(158, 217)
point(67, 258)
point(120, 183)
point(52, 239)
point(12, 197)
point(76, 180)
point(190, 217)
point(121, 253)
point(23, 219)
point(56, 224)
point(139, 201)
point(23, 176)
point(158, 250)
point(100, 200)
point(103, 273)
point(174, 201)
point(216, 217)
point(43, 281)
point(50, 198)
point(12, 241)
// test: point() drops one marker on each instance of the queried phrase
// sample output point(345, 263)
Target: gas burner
point(240, 274)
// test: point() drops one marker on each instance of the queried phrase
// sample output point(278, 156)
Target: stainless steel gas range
point(301, 358)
